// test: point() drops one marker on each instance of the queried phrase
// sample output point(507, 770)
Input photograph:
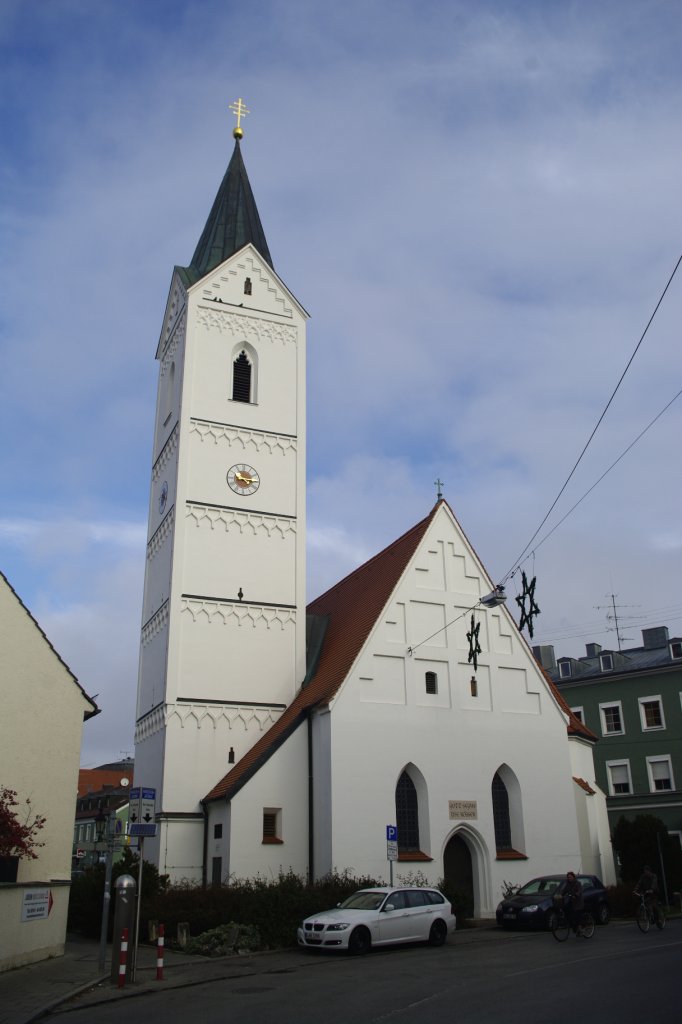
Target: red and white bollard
point(124, 959)
point(159, 954)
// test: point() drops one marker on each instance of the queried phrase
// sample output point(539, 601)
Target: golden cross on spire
point(239, 110)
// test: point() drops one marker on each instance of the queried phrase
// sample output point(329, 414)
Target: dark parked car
point(533, 905)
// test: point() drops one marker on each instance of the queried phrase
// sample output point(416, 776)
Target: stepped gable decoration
point(474, 646)
point(527, 594)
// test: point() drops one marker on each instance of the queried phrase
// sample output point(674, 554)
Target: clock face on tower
point(243, 479)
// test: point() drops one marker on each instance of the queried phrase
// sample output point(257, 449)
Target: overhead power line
point(605, 473)
point(596, 427)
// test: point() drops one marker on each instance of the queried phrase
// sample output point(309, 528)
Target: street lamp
point(104, 831)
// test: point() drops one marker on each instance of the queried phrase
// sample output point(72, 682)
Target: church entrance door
point(459, 876)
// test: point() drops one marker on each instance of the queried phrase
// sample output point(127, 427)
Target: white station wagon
point(378, 917)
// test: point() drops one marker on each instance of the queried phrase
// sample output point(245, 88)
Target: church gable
point(417, 654)
point(246, 282)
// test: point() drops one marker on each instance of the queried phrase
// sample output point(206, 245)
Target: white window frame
point(623, 763)
point(565, 670)
point(579, 713)
point(658, 759)
point(673, 655)
point(642, 714)
point(275, 812)
point(602, 709)
point(603, 658)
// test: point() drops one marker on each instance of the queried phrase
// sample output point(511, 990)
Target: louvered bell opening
point(241, 379)
point(269, 825)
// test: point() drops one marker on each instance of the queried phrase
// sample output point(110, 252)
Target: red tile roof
point(584, 785)
point(575, 726)
point(92, 780)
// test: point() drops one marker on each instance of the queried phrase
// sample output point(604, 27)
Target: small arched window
point(501, 819)
point(407, 814)
point(241, 378)
point(431, 682)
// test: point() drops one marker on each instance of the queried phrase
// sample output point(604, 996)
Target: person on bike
point(647, 886)
point(573, 900)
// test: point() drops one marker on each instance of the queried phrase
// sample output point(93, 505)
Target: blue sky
point(477, 203)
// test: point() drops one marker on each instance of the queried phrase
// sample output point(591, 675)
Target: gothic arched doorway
point(458, 875)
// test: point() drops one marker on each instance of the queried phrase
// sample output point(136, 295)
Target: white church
point(283, 737)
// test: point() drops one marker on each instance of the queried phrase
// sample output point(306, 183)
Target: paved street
point(619, 975)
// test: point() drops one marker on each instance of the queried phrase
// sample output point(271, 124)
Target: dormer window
point(565, 669)
point(606, 662)
point(676, 649)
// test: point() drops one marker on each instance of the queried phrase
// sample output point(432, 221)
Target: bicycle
point(561, 926)
point(649, 913)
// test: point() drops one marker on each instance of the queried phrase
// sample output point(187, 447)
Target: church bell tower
point(222, 647)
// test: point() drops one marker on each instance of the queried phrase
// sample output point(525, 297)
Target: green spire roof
point(232, 223)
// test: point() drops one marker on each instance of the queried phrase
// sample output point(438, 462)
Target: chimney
point(593, 650)
point(544, 655)
point(657, 636)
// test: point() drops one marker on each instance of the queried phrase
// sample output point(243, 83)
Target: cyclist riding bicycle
point(573, 900)
point(647, 886)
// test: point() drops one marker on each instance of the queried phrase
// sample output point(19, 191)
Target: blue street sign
point(392, 833)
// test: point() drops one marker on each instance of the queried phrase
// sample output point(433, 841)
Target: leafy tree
point(18, 838)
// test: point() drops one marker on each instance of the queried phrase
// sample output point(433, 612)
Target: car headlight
point(339, 927)
point(531, 909)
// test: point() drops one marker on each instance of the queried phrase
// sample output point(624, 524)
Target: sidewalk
point(28, 993)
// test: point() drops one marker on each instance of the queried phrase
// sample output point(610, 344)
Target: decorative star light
point(527, 593)
point(474, 646)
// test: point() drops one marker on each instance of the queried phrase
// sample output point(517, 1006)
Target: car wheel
point(603, 914)
point(438, 933)
point(359, 942)
point(551, 920)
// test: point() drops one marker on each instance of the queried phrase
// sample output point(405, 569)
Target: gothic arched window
point(407, 814)
point(501, 819)
point(241, 378)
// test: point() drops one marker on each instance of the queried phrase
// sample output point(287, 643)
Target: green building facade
point(632, 700)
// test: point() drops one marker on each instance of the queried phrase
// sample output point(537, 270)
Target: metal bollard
point(124, 917)
point(159, 954)
point(123, 958)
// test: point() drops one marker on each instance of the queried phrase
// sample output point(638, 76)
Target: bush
point(87, 892)
point(645, 840)
point(621, 900)
point(273, 907)
point(226, 939)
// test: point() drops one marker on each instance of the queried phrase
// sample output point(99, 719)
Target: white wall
point(281, 784)
point(382, 719)
point(41, 729)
